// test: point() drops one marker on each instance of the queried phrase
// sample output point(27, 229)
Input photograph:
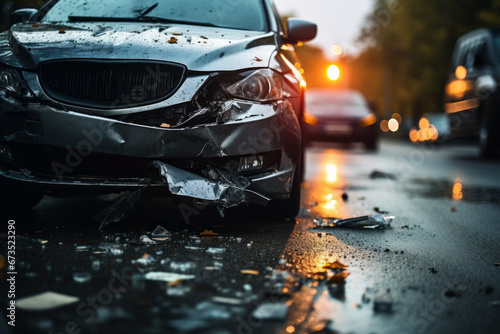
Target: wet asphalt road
point(432, 271)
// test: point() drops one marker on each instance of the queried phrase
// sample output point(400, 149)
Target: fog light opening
point(249, 163)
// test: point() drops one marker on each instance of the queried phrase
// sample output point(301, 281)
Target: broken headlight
point(260, 85)
point(10, 80)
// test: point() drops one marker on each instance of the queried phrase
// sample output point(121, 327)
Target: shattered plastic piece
point(208, 233)
point(161, 232)
point(146, 240)
point(45, 301)
point(249, 272)
point(222, 188)
point(271, 311)
point(62, 31)
point(165, 125)
point(177, 33)
point(118, 210)
point(204, 37)
point(370, 222)
point(258, 59)
point(82, 277)
point(167, 277)
point(172, 40)
point(376, 174)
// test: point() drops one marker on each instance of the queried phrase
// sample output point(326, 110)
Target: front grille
point(109, 84)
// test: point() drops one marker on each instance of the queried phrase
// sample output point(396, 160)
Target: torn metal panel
point(219, 187)
point(119, 209)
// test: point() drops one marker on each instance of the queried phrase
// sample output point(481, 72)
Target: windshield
point(245, 15)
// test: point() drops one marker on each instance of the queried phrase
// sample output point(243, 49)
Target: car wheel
point(489, 138)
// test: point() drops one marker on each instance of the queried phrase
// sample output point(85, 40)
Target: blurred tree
point(408, 47)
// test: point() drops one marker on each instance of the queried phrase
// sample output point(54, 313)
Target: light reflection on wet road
point(431, 272)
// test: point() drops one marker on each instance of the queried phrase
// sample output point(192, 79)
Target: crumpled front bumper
point(78, 138)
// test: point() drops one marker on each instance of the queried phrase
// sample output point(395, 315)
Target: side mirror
point(301, 31)
point(22, 15)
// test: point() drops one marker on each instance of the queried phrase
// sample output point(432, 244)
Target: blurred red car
point(340, 116)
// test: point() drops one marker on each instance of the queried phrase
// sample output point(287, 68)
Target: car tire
point(489, 137)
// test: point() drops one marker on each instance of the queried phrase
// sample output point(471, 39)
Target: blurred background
point(396, 52)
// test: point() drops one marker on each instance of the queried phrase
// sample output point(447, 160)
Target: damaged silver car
point(191, 98)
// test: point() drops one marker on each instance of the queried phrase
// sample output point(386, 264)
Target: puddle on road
point(455, 190)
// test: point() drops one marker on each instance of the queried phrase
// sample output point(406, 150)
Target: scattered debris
point(452, 293)
point(173, 40)
point(214, 250)
point(227, 300)
point(270, 311)
point(82, 277)
point(376, 174)
point(433, 270)
point(45, 301)
point(165, 125)
point(453, 209)
point(167, 277)
point(144, 239)
point(377, 210)
point(249, 272)
point(161, 232)
point(208, 233)
point(177, 33)
point(345, 197)
point(382, 304)
point(35, 25)
point(371, 222)
point(204, 37)
point(119, 209)
point(62, 31)
point(258, 59)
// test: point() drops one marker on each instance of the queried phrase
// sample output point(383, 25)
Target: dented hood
point(198, 48)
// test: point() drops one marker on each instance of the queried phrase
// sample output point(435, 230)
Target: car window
point(338, 99)
point(245, 15)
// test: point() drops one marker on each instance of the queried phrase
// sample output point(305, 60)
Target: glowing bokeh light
point(461, 72)
point(333, 72)
point(457, 190)
point(384, 126)
point(331, 173)
point(393, 125)
point(337, 50)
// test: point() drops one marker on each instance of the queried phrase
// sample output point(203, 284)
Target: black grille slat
point(108, 85)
